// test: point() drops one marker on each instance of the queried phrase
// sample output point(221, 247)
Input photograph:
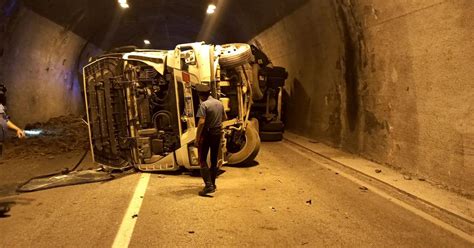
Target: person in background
point(5, 121)
point(211, 114)
point(5, 124)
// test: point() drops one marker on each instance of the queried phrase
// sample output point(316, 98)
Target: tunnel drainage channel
point(447, 225)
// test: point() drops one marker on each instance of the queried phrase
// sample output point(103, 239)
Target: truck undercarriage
point(141, 105)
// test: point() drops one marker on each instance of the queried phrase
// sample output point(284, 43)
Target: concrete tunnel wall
point(390, 80)
point(39, 66)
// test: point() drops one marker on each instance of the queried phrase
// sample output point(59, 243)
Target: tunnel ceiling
point(164, 22)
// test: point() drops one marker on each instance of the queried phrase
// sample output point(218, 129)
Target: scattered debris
point(273, 209)
point(378, 170)
point(64, 179)
point(309, 202)
point(269, 228)
point(407, 177)
point(363, 188)
point(191, 232)
point(59, 135)
point(256, 210)
point(4, 209)
point(421, 179)
point(134, 216)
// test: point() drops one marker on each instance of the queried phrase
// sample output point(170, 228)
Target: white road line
point(400, 203)
point(124, 234)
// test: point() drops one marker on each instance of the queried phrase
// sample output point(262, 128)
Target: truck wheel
point(273, 126)
point(235, 54)
point(271, 136)
point(249, 150)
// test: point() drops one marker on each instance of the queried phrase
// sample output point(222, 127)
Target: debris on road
point(64, 179)
point(59, 135)
point(363, 188)
point(4, 209)
point(378, 170)
point(134, 216)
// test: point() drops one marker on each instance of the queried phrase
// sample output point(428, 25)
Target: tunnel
point(377, 108)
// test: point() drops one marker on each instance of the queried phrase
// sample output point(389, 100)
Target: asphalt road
point(287, 200)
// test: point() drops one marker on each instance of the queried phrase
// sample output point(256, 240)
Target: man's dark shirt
point(213, 110)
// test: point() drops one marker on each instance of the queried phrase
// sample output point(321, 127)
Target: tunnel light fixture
point(147, 42)
point(211, 9)
point(123, 4)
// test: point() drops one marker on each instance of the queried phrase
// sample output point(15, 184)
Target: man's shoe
point(214, 176)
point(207, 190)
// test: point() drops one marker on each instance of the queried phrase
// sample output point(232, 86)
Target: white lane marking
point(124, 234)
point(400, 203)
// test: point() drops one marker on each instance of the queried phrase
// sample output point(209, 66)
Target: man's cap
point(202, 88)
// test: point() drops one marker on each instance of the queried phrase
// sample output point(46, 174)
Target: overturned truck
point(141, 104)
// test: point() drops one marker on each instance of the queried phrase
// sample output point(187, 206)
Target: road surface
point(286, 200)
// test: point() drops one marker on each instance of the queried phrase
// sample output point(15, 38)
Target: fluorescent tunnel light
point(211, 9)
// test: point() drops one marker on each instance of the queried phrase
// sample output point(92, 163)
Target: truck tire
point(273, 126)
point(249, 151)
point(271, 136)
point(235, 54)
point(257, 93)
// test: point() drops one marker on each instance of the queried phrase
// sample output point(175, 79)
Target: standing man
point(211, 114)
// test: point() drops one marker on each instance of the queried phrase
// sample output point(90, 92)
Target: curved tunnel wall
point(40, 68)
point(387, 80)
